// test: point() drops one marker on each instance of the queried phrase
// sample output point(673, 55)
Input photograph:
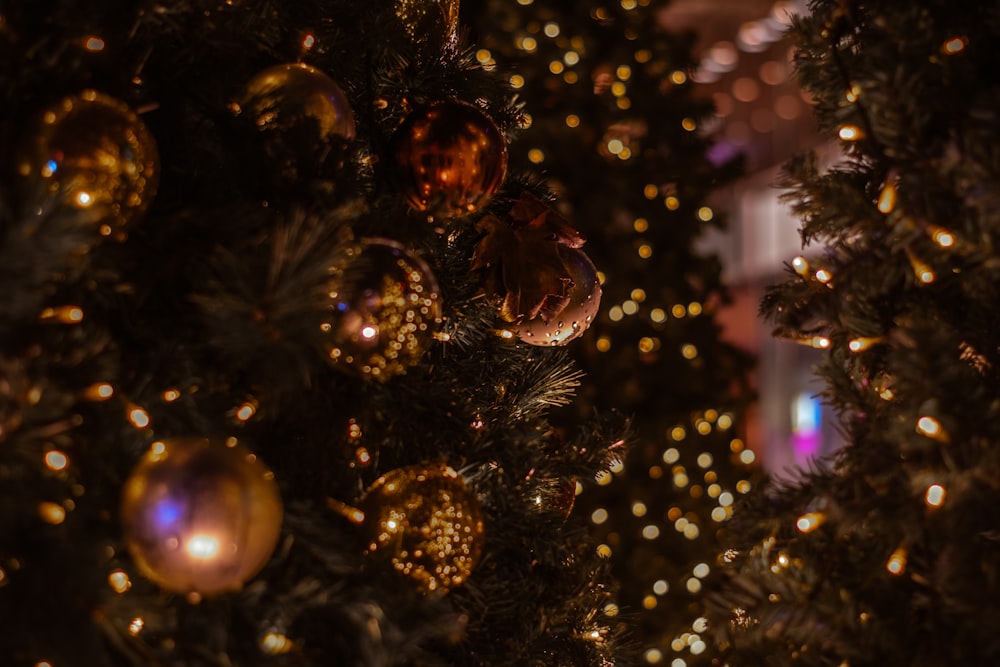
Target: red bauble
point(448, 159)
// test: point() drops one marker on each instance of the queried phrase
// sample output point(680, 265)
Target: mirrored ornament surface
point(448, 159)
point(302, 115)
point(420, 18)
point(584, 300)
point(385, 307)
point(92, 153)
point(426, 524)
point(200, 516)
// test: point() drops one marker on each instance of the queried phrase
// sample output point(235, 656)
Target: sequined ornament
point(92, 153)
point(583, 301)
point(448, 158)
point(420, 18)
point(426, 523)
point(303, 116)
point(385, 307)
point(200, 515)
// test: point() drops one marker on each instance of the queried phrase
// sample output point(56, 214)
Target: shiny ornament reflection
point(577, 316)
point(385, 308)
point(420, 18)
point(426, 523)
point(200, 516)
point(91, 152)
point(448, 159)
point(303, 116)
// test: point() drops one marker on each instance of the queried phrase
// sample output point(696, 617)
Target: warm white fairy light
point(897, 562)
point(887, 198)
point(935, 495)
point(809, 522)
point(56, 460)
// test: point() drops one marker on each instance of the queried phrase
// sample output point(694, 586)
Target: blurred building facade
point(747, 70)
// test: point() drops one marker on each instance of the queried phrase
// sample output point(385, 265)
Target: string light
point(119, 581)
point(897, 562)
point(246, 411)
point(56, 460)
point(932, 428)
point(862, 344)
point(850, 133)
point(275, 643)
point(887, 198)
point(52, 513)
point(138, 417)
point(954, 45)
point(921, 269)
point(807, 523)
point(135, 626)
point(935, 495)
point(818, 342)
point(943, 237)
point(63, 314)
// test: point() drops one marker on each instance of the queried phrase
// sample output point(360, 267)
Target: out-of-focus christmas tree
point(616, 126)
point(261, 399)
point(888, 555)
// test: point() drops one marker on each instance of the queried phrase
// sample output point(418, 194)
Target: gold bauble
point(385, 307)
point(302, 116)
point(426, 523)
point(200, 515)
point(91, 152)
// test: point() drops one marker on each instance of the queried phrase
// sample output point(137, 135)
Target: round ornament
point(200, 516)
point(584, 299)
point(385, 307)
point(426, 523)
point(448, 158)
point(303, 116)
point(91, 152)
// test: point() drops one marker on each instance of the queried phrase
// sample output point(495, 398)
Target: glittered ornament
point(448, 158)
point(426, 524)
point(385, 307)
point(200, 515)
point(583, 298)
point(92, 153)
point(420, 18)
point(303, 116)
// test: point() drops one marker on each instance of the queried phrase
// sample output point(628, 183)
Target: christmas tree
point(266, 395)
point(887, 554)
point(618, 129)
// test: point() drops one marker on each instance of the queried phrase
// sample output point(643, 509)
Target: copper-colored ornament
point(426, 523)
point(303, 116)
point(448, 159)
point(420, 18)
point(583, 299)
point(200, 516)
point(385, 308)
point(92, 153)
